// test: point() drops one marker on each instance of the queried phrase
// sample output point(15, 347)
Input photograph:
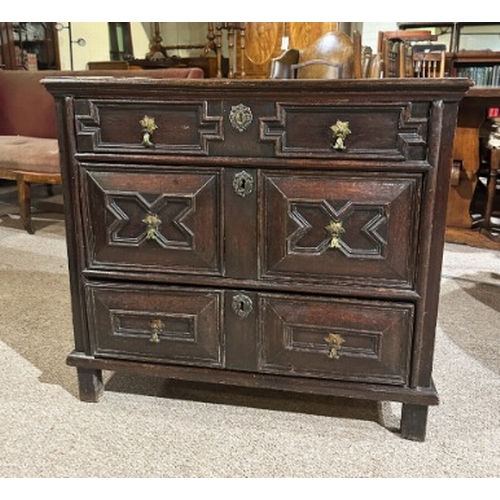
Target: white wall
point(141, 35)
point(370, 33)
point(96, 36)
point(97, 47)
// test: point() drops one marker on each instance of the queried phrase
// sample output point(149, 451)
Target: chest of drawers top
point(386, 120)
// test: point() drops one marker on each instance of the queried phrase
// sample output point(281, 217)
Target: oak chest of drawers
point(272, 234)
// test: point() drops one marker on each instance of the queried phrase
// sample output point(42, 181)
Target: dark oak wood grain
point(242, 246)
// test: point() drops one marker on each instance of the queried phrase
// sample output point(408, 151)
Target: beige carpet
point(146, 427)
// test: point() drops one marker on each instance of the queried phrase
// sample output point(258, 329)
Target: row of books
point(483, 76)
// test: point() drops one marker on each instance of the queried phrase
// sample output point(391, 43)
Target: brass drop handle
point(148, 127)
point(156, 328)
point(334, 342)
point(335, 229)
point(340, 132)
point(152, 222)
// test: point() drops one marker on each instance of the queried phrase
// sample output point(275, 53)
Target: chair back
point(429, 64)
point(330, 56)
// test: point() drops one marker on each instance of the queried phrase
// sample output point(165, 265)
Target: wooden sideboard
point(263, 233)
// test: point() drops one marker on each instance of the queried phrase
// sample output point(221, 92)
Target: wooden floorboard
point(471, 237)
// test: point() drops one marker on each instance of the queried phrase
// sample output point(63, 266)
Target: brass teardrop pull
point(152, 222)
point(334, 342)
point(335, 229)
point(340, 132)
point(156, 328)
point(148, 127)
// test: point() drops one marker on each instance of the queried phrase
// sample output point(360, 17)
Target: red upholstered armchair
point(29, 151)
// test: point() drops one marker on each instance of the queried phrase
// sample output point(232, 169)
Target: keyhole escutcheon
point(243, 183)
point(242, 305)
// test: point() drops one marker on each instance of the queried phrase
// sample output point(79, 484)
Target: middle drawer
point(336, 229)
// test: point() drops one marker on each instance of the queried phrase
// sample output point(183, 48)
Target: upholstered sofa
point(29, 150)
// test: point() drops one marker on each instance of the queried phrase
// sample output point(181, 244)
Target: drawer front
point(388, 131)
point(341, 228)
point(152, 221)
point(247, 127)
point(155, 127)
point(155, 324)
point(351, 340)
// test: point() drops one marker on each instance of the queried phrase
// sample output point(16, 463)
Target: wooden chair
point(407, 36)
point(390, 59)
point(395, 49)
point(331, 56)
point(494, 173)
point(429, 64)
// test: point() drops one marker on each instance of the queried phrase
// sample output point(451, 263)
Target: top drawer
point(105, 126)
point(250, 128)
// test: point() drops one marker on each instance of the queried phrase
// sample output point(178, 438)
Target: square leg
point(24, 200)
point(90, 384)
point(414, 422)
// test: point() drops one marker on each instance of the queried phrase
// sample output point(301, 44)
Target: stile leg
point(414, 422)
point(90, 384)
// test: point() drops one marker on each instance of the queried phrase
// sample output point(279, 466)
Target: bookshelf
point(459, 34)
point(29, 46)
point(483, 67)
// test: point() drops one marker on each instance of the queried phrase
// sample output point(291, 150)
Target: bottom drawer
point(365, 341)
point(156, 323)
point(322, 337)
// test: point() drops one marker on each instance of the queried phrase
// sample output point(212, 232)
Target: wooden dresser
point(268, 234)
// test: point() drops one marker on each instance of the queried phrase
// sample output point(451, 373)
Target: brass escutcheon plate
point(240, 117)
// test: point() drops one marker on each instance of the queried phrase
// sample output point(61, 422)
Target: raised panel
point(156, 324)
point(374, 338)
point(376, 217)
point(168, 222)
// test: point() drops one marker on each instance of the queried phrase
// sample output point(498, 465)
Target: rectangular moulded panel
point(154, 323)
point(338, 339)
